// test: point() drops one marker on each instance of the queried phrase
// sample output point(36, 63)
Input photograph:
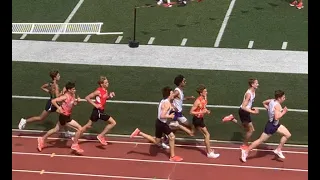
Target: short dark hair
point(70, 85)
point(178, 80)
point(53, 73)
point(166, 92)
point(251, 81)
point(278, 94)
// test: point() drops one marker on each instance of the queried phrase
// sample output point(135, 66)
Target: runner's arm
point(188, 98)
point(278, 112)
point(165, 107)
point(44, 87)
point(176, 93)
point(266, 103)
point(77, 100)
point(92, 95)
point(58, 99)
point(194, 107)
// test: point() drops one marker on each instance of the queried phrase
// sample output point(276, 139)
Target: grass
point(267, 23)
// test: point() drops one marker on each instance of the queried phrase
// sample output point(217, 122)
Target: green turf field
point(144, 84)
point(267, 23)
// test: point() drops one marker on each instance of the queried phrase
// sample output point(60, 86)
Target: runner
point(101, 96)
point(179, 120)
point(52, 88)
point(198, 110)
point(245, 111)
point(161, 125)
point(67, 101)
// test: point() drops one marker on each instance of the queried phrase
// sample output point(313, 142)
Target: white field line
point(178, 139)
point(250, 45)
point(284, 45)
point(109, 33)
point(82, 174)
point(23, 36)
point(151, 40)
point(119, 38)
point(73, 12)
point(183, 42)
point(178, 145)
point(224, 24)
point(163, 162)
point(87, 38)
point(151, 103)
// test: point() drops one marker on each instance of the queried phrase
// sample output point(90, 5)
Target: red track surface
point(134, 159)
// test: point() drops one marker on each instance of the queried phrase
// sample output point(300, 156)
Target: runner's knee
point(206, 135)
point(287, 135)
point(250, 128)
point(88, 125)
point(56, 129)
point(112, 121)
point(172, 136)
point(79, 128)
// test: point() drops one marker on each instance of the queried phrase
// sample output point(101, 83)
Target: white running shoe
point(164, 146)
point(68, 134)
point(212, 155)
point(279, 154)
point(22, 123)
point(244, 155)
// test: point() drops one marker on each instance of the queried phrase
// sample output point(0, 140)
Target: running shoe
point(135, 133)
point(102, 140)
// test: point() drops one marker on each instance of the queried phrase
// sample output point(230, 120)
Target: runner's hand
point(98, 106)
point(112, 94)
point(59, 110)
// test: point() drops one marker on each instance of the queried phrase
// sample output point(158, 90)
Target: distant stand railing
point(59, 28)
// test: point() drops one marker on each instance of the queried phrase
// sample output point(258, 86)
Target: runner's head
point(55, 75)
point(279, 96)
point(180, 80)
point(202, 90)
point(71, 87)
point(167, 93)
point(103, 82)
point(253, 82)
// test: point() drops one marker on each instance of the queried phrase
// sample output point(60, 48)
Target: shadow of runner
point(153, 151)
point(260, 154)
point(192, 146)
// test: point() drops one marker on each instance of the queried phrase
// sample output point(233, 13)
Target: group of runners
point(170, 116)
point(63, 103)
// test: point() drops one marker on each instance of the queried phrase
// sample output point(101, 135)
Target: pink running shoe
point(77, 148)
point(135, 133)
point(294, 3)
point(40, 144)
point(102, 140)
point(299, 5)
point(176, 159)
point(228, 118)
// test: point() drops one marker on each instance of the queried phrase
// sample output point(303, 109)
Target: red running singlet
point(102, 98)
